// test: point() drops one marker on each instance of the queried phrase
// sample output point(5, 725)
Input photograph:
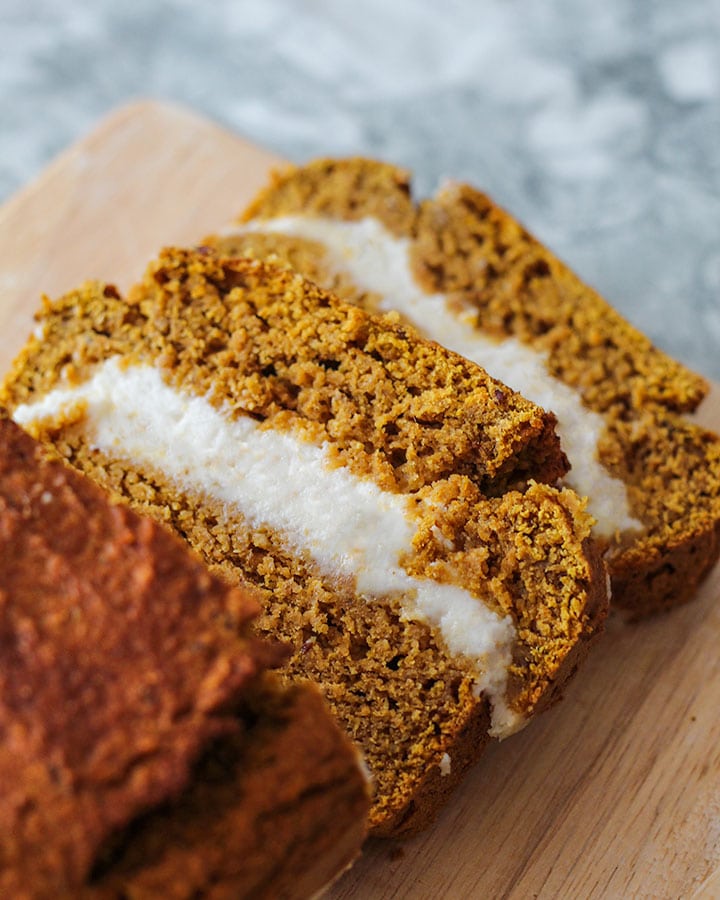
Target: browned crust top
point(276, 810)
point(121, 654)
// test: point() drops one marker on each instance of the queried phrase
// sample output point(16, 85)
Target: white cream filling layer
point(347, 524)
point(378, 261)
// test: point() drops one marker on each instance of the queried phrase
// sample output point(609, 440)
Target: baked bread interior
point(392, 503)
point(467, 274)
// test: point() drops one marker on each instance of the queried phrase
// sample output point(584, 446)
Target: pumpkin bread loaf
point(392, 503)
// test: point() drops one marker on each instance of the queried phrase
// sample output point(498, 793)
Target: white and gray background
point(596, 123)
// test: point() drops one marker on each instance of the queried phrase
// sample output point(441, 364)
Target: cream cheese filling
point(348, 525)
point(378, 261)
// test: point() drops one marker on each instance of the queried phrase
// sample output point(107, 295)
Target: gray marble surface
point(598, 124)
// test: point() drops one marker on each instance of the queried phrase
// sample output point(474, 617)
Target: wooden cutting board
point(613, 793)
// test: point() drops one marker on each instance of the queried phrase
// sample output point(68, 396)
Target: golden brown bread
point(508, 285)
point(130, 681)
point(271, 351)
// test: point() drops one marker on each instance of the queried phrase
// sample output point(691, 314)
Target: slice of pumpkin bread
point(468, 275)
point(131, 684)
point(384, 494)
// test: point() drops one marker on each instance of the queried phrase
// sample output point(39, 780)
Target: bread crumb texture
point(463, 245)
point(258, 340)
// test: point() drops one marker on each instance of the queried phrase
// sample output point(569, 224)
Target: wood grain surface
point(613, 793)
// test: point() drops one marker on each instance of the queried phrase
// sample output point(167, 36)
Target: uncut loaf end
point(148, 749)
